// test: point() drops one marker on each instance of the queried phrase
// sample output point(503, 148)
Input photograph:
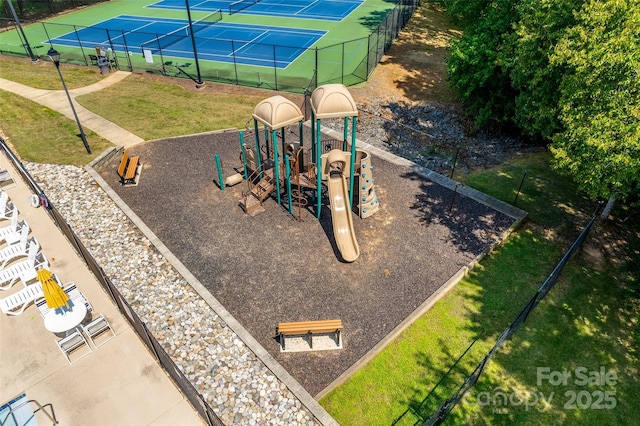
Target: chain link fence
point(349, 62)
point(415, 414)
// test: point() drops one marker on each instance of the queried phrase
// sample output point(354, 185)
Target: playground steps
point(254, 198)
point(303, 179)
point(253, 206)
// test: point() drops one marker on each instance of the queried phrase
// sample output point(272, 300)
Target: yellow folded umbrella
point(54, 295)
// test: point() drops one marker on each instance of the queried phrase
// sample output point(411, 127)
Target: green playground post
point(288, 179)
point(276, 164)
point(258, 157)
point(219, 167)
point(244, 155)
point(266, 139)
point(313, 135)
point(300, 130)
point(353, 158)
point(345, 133)
point(318, 162)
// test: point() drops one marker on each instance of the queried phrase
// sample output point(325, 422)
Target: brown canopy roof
point(332, 101)
point(277, 112)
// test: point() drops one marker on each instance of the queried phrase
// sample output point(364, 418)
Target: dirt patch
point(414, 69)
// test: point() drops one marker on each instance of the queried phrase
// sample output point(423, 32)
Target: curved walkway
point(57, 101)
point(282, 407)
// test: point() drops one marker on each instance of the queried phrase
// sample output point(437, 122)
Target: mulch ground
point(274, 268)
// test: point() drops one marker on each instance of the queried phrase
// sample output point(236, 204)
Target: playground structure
point(277, 165)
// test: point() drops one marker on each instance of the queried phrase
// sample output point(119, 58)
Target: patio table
point(61, 323)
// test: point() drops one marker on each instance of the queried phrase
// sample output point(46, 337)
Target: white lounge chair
point(19, 249)
point(24, 270)
point(18, 302)
point(6, 208)
point(11, 233)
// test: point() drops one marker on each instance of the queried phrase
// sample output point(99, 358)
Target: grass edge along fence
point(440, 415)
point(162, 357)
point(349, 62)
point(40, 9)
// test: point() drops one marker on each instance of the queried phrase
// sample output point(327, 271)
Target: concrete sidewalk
point(119, 383)
point(57, 101)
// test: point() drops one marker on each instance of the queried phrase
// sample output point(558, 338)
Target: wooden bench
point(128, 169)
point(310, 328)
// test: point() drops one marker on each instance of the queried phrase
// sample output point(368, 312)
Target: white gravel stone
point(198, 341)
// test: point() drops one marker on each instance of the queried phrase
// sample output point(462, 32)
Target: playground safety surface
point(273, 268)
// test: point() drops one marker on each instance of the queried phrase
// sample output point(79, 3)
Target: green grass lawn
point(137, 103)
point(154, 109)
point(40, 134)
point(43, 74)
point(589, 320)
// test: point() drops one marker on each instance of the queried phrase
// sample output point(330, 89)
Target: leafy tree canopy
point(600, 99)
point(479, 63)
point(562, 70)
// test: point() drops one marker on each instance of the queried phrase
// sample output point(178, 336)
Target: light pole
point(55, 58)
point(199, 82)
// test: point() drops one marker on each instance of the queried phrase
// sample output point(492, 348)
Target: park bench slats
point(129, 169)
point(309, 328)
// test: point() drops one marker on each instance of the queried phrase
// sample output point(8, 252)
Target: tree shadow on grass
point(574, 360)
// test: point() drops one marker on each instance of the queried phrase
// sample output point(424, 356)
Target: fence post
point(524, 175)
point(455, 160)
point(342, 64)
point(275, 67)
point(75, 31)
point(235, 65)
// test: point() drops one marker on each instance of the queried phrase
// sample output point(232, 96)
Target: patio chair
point(6, 208)
point(77, 296)
point(5, 178)
point(18, 302)
point(11, 233)
point(25, 270)
point(19, 249)
point(71, 343)
point(97, 327)
point(42, 306)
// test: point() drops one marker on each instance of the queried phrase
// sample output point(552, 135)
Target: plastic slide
point(341, 218)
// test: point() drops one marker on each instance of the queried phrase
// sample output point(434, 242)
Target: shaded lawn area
point(588, 320)
point(407, 373)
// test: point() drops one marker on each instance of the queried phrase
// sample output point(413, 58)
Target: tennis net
point(239, 5)
point(207, 21)
point(164, 41)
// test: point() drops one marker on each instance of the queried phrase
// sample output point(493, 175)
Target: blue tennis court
point(216, 41)
point(325, 10)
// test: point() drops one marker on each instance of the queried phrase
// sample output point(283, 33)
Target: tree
point(465, 11)
point(541, 24)
point(599, 105)
point(479, 62)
